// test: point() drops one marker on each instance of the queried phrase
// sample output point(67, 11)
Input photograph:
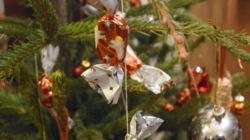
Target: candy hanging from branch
point(49, 55)
point(143, 125)
point(153, 78)
point(106, 80)
point(111, 39)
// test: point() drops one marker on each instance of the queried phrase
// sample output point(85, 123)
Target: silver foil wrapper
point(106, 80)
point(152, 77)
point(49, 55)
point(143, 125)
point(111, 6)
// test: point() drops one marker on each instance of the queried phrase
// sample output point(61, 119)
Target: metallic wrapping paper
point(153, 78)
point(46, 95)
point(111, 38)
point(111, 6)
point(106, 80)
point(49, 55)
point(208, 126)
point(133, 63)
point(143, 125)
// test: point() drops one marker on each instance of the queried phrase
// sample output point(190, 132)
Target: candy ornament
point(110, 6)
point(49, 56)
point(46, 95)
point(153, 78)
point(143, 125)
point(106, 80)
point(111, 37)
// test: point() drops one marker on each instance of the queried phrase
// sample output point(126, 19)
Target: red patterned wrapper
point(46, 95)
point(201, 80)
point(111, 37)
point(132, 61)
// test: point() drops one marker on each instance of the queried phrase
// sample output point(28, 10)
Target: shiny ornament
point(78, 70)
point(214, 124)
point(85, 63)
point(111, 38)
point(110, 6)
point(143, 125)
point(184, 97)
point(239, 106)
point(201, 80)
point(46, 95)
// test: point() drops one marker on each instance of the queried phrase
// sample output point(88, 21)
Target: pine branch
point(26, 86)
point(85, 29)
point(20, 22)
point(80, 29)
point(17, 27)
point(173, 4)
point(210, 33)
point(243, 55)
point(45, 15)
point(15, 31)
point(59, 101)
point(240, 83)
point(11, 58)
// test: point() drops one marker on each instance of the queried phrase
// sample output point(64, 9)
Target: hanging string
point(40, 106)
point(222, 60)
point(192, 75)
point(126, 86)
point(217, 72)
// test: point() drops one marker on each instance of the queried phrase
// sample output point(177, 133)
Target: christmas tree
point(162, 33)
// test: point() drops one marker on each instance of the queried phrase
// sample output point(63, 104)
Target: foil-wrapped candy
point(111, 6)
point(153, 78)
point(46, 96)
point(49, 55)
point(106, 80)
point(143, 125)
point(111, 38)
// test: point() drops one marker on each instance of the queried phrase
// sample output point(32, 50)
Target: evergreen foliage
point(93, 118)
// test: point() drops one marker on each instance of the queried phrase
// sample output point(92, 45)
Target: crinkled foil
point(106, 80)
point(111, 38)
point(111, 6)
point(143, 125)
